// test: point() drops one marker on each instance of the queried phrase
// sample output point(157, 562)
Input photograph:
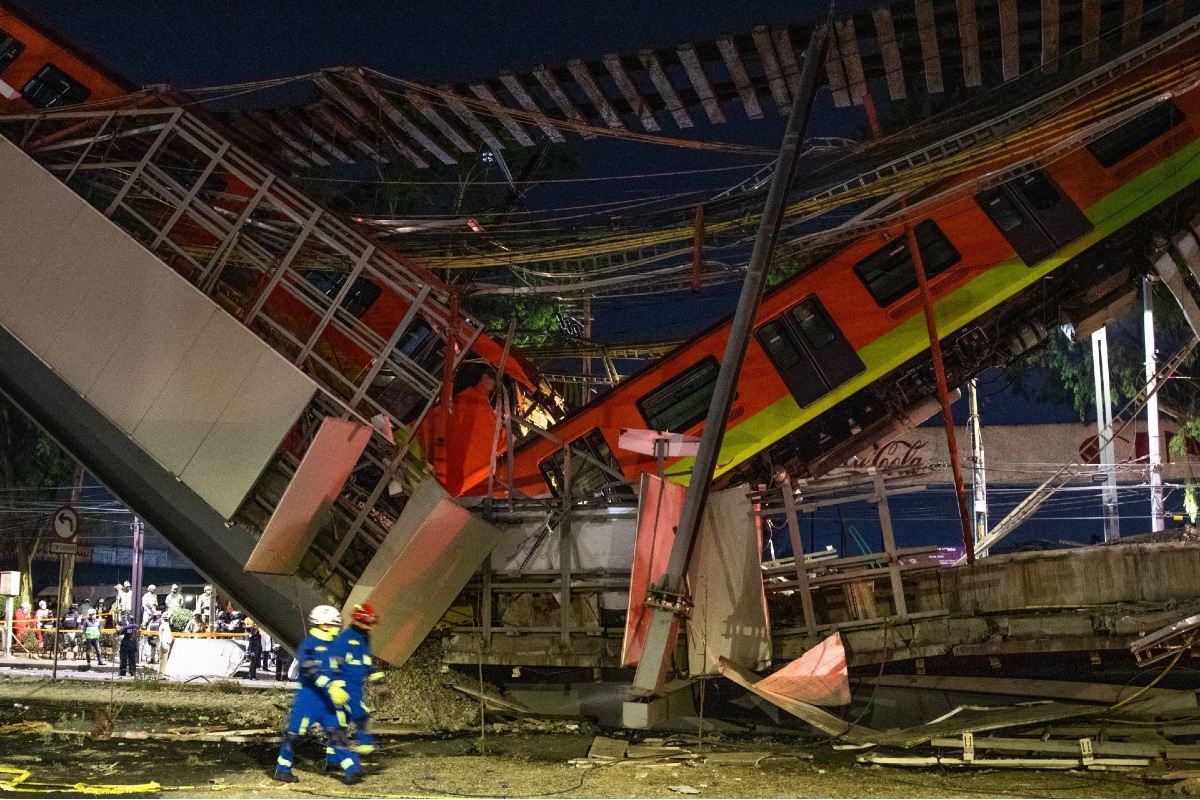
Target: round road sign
point(66, 523)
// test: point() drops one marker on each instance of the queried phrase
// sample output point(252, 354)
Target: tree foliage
point(29, 461)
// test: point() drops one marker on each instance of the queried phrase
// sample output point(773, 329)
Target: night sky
point(205, 43)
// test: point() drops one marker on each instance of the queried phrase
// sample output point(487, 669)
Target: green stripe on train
point(960, 307)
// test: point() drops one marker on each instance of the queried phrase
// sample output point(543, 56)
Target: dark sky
point(207, 42)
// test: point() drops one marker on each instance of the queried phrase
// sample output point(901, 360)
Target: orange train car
point(39, 71)
point(839, 356)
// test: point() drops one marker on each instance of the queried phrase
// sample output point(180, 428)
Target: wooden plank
point(1131, 23)
point(1179, 699)
point(583, 76)
point(741, 78)
point(607, 749)
point(359, 113)
point(1010, 40)
point(927, 31)
point(484, 93)
point(968, 36)
point(421, 104)
point(559, 95)
point(700, 83)
point(526, 101)
point(1055, 747)
point(893, 65)
point(329, 115)
point(1090, 46)
point(856, 81)
point(401, 121)
point(296, 122)
point(836, 76)
point(1050, 26)
point(641, 108)
point(787, 58)
point(455, 104)
point(275, 127)
point(658, 76)
point(266, 140)
point(974, 722)
point(766, 53)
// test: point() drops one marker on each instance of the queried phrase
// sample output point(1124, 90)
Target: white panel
point(198, 392)
point(248, 432)
point(729, 611)
point(420, 506)
point(154, 347)
point(97, 328)
point(67, 275)
point(29, 219)
point(309, 497)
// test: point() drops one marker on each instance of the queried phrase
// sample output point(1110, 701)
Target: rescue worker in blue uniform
point(320, 700)
point(352, 648)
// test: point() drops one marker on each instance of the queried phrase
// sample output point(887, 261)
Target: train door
point(1036, 217)
point(588, 477)
point(810, 353)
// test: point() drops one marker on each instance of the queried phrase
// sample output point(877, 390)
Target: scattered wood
point(1004, 763)
point(683, 788)
point(735, 758)
point(491, 702)
point(1056, 746)
point(607, 750)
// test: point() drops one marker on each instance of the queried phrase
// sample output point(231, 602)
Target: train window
point(10, 48)
point(811, 355)
point(1034, 215)
point(683, 401)
point(888, 273)
point(362, 295)
point(52, 87)
point(813, 324)
point(588, 479)
point(423, 346)
point(1127, 139)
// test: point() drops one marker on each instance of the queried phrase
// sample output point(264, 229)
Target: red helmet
point(364, 614)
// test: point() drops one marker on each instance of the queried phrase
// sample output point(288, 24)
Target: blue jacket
point(319, 665)
point(352, 648)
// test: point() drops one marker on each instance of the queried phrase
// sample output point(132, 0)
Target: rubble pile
point(418, 697)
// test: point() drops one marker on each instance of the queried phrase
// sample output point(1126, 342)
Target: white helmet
point(324, 615)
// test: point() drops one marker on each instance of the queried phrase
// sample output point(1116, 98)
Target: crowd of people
point(85, 628)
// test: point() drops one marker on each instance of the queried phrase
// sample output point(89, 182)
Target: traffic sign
point(63, 548)
point(66, 524)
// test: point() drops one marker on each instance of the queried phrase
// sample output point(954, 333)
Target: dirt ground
point(56, 732)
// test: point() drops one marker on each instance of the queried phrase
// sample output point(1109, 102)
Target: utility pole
point(979, 515)
point(1104, 433)
point(667, 596)
point(1153, 452)
point(139, 537)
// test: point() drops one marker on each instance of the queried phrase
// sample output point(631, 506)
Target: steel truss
point(287, 269)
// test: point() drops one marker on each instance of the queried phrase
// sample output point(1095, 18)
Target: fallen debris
point(683, 788)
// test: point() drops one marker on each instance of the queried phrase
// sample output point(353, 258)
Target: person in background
point(69, 625)
point(196, 624)
point(123, 604)
point(21, 623)
point(128, 636)
point(149, 612)
point(165, 640)
point(174, 599)
point(204, 606)
point(42, 622)
point(91, 637)
point(352, 648)
point(320, 699)
point(254, 646)
point(283, 660)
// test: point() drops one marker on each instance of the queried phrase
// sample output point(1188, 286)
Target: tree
point(30, 462)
